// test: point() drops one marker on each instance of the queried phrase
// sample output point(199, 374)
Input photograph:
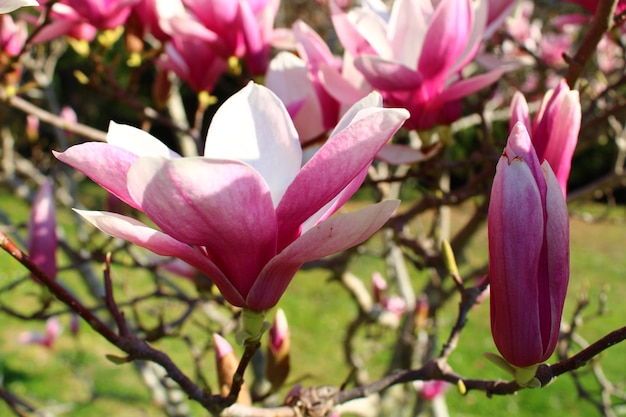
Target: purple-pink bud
point(554, 129)
point(277, 360)
point(528, 230)
point(279, 332)
point(42, 238)
point(379, 287)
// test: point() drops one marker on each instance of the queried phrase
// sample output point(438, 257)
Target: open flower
point(415, 54)
point(247, 214)
point(528, 230)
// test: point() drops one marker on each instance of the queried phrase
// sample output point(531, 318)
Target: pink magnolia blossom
point(415, 58)
point(12, 36)
point(296, 80)
point(65, 21)
point(7, 6)
point(42, 237)
point(246, 214)
point(103, 14)
point(554, 129)
point(195, 62)
point(240, 28)
point(528, 230)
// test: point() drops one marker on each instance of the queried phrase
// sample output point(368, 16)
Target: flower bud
point(227, 362)
point(528, 230)
point(277, 365)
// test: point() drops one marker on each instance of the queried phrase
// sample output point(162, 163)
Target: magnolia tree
point(236, 134)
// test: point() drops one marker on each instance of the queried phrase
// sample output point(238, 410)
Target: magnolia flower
point(247, 214)
point(415, 55)
point(7, 6)
point(242, 28)
point(65, 21)
point(103, 14)
point(528, 231)
point(195, 62)
point(42, 238)
point(554, 129)
point(12, 36)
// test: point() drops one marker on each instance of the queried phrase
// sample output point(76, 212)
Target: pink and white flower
point(247, 214)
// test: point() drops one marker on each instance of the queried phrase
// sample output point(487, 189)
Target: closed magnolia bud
point(227, 362)
point(528, 230)
point(277, 362)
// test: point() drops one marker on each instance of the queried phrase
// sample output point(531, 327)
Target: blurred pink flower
point(240, 28)
point(430, 389)
point(103, 14)
point(194, 61)
point(12, 35)
point(65, 21)
point(47, 339)
point(258, 215)
point(42, 237)
point(296, 80)
point(528, 230)
point(391, 303)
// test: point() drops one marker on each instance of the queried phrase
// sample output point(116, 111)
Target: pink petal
point(372, 100)
point(334, 235)
point(352, 35)
point(253, 126)
point(466, 87)
point(137, 141)
point(289, 79)
point(311, 47)
point(138, 233)
point(520, 111)
point(515, 211)
point(388, 75)
point(557, 241)
point(446, 38)
point(224, 206)
point(105, 164)
point(335, 165)
point(397, 154)
point(338, 87)
point(408, 26)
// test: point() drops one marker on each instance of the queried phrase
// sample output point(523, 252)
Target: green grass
point(75, 376)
